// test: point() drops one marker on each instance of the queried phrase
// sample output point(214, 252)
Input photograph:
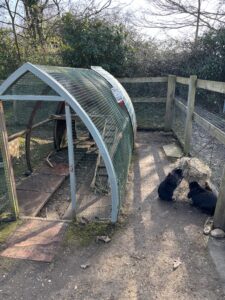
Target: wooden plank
point(190, 111)
point(11, 187)
point(148, 100)
point(35, 240)
point(31, 202)
point(210, 128)
point(142, 79)
point(182, 80)
point(170, 101)
point(36, 190)
point(41, 182)
point(214, 86)
point(219, 216)
point(22, 132)
point(180, 105)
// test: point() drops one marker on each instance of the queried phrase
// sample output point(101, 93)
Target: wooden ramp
point(36, 189)
point(35, 240)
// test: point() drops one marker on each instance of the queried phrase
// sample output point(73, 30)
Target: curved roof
point(119, 91)
point(90, 96)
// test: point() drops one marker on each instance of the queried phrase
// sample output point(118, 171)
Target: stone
point(208, 226)
point(176, 264)
point(217, 233)
point(173, 151)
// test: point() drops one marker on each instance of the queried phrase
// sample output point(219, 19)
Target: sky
point(134, 7)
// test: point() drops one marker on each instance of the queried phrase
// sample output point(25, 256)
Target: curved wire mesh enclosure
point(94, 111)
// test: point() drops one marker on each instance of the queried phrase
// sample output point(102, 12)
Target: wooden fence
point(193, 84)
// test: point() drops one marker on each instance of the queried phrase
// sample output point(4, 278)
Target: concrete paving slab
point(173, 150)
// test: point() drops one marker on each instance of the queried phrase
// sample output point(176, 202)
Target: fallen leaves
point(103, 238)
point(176, 264)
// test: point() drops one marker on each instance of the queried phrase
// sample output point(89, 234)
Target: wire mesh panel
point(209, 106)
point(208, 149)
point(5, 207)
point(28, 114)
point(178, 125)
point(149, 100)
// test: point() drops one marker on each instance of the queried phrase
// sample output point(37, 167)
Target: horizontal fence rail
point(213, 86)
point(182, 80)
point(143, 79)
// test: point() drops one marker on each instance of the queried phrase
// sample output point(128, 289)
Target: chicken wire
point(5, 207)
point(94, 95)
point(203, 145)
point(178, 123)
point(149, 101)
point(209, 150)
point(209, 106)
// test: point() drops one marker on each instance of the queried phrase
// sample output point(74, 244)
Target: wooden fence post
point(170, 101)
point(190, 111)
point(7, 164)
point(219, 216)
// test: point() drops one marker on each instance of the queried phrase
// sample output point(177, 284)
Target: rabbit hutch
point(66, 142)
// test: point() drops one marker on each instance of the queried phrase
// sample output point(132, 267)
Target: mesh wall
point(41, 137)
point(209, 105)
point(149, 100)
point(29, 84)
point(210, 150)
point(4, 199)
point(203, 145)
point(178, 125)
point(94, 95)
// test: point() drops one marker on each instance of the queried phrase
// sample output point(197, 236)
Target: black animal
point(169, 184)
point(202, 198)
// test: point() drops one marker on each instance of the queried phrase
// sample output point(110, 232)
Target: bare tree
point(177, 14)
point(34, 20)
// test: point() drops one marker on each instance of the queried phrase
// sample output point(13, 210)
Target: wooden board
point(35, 240)
point(40, 182)
point(31, 202)
point(36, 189)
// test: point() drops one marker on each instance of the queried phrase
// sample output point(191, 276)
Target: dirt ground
point(138, 262)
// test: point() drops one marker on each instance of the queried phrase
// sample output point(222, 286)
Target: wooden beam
point(22, 132)
point(170, 102)
point(142, 79)
point(213, 86)
point(71, 158)
point(190, 112)
point(10, 180)
point(219, 216)
point(148, 99)
point(180, 105)
point(182, 80)
point(62, 117)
